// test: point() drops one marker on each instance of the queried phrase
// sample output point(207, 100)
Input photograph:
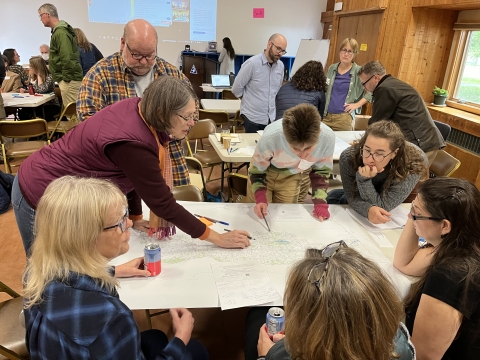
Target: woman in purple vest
point(126, 143)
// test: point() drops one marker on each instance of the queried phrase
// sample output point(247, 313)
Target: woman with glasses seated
point(72, 308)
point(443, 307)
point(126, 143)
point(345, 93)
point(379, 172)
point(338, 305)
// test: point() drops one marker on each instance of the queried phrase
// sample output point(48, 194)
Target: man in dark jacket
point(64, 61)
point(396, 100)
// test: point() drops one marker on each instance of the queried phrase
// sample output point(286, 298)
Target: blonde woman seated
point(338, 306)
point(379, 172)
point(72, 309)
point(443, 308)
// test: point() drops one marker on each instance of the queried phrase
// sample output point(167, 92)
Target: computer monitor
point(212, 46)
point(221, 81)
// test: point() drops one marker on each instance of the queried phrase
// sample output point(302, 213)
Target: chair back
point(202, 129)
point(69, 111)
point(58, 94)
point(237, 185)
point(187, 193)
point(23, 129)
point(443, 128)
point(228, 95)
point(219, 117)
point(444, 164)
point(195, 165)
point(361, 122)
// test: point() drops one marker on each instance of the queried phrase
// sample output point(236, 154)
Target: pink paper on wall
point(258, 13)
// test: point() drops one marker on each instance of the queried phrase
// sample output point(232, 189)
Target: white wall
point(21, 28)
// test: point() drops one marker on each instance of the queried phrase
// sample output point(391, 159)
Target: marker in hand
point(248, 237)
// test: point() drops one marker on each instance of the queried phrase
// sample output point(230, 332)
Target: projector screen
point(181, 21)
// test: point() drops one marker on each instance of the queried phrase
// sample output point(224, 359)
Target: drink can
point(275, 321)
point(153, 259)
point(30, 90)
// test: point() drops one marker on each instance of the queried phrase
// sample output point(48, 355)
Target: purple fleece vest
point(81, 151)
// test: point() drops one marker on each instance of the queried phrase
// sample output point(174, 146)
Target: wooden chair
point(444, 164)
point(21, 150)
point(208, 158)
point(12, 334)
point(228, 95)
point(187, 193)
point(195, 170)
point(219, 117)
point(63, 127)
point(237, 186)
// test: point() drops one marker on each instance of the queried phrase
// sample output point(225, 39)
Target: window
point(468, 86)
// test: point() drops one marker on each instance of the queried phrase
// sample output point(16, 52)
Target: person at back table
point(258, 82)
point(45, 52)
point(345, 94)
point(399, 102)
point(227, 58)
point(89, 54)
point(308, 86)
point(42, 83)
point(11, 81)
point(443, 307)
point(338, 306)
point(12, 65)
point(379, 172)
point(126, 74)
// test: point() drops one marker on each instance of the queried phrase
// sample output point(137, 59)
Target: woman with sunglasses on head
point(379, 172)
point(324, 321)
point(443, 308)
point(72, 308)
point(126, 143)
point(345, 93)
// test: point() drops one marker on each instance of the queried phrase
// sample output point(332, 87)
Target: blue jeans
point(337, 197)
point(24, 215)
point(250, 126)
point(154, 341)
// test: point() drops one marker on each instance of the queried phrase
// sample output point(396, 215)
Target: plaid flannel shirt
point(78, 319)
point(109, 81)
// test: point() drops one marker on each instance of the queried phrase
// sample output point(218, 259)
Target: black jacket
point(395, 100)
point(289, 96)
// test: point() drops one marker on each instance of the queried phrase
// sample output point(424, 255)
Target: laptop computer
point(221, 81)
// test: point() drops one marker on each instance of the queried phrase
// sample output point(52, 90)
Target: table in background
point(230, 106)
point(187, 279)
point(26, 100)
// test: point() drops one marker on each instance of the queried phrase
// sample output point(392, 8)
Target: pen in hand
point(264, 218)
point(249, 237)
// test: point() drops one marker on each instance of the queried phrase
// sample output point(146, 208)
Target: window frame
point(456, 64)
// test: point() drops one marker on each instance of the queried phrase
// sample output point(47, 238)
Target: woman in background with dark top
point(443, 307)
point(308, 86)
point(227, 58)
point(345, 93)
point(89, 54)
point(42, 83)
point(13, 59)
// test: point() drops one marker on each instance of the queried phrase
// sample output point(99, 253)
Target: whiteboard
point(310, 49)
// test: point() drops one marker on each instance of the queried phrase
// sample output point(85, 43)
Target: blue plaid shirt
point(78, 319)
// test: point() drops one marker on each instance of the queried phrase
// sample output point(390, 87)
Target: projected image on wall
point(181, 20)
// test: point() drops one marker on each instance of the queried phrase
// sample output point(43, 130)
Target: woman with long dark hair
point(443, 308)
point(227, 58)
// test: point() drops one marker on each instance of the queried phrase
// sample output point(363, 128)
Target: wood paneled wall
point(349, 5)
point(447, 4)
point(427, 48)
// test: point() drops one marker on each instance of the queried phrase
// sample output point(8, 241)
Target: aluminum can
point(153, 259)
point(275, 321)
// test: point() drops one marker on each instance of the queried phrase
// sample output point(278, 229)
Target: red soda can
point(30, 90)
point(153, 259)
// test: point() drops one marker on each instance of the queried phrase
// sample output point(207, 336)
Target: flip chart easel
point(310, 49)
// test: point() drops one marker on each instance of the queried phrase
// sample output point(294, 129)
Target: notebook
point(221, 81)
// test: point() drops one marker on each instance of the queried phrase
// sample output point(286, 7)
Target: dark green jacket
point(64, 61)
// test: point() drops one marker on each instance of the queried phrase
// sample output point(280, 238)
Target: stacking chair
point(59, 126)
point(12, 334)
point(228, 95)
point(195, 170)
point(208, 158)
point(187, 193)
point(445, 129)
point(237, 120)
point(14, 151)
point(58, 94)
point(361, 122)
point(444, 164)
point(237, 186)
point(219, 117)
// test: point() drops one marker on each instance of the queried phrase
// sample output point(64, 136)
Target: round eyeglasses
point(327, 253)
point(377, 157)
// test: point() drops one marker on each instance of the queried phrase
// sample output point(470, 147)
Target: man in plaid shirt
point(127, 74)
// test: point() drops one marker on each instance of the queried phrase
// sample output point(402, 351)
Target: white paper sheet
point(340, 145)
point(243, 284)
point(399, 219)
point(248, 150)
